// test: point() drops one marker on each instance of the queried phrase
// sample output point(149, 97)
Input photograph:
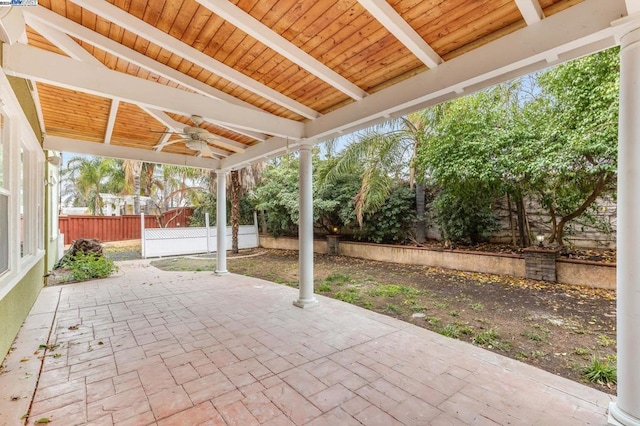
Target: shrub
point(393, 221)
point(89, 266)
point(465, 217)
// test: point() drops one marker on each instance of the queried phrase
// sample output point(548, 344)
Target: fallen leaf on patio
point(101, 342)
point(57, 355)
point(73, 327)
point(24, 416)
point(15, 398)
point(43, 420)
point(24, 360)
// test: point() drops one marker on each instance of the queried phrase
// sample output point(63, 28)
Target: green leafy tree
point(579, 103)
point(461, 159)
point(277, 194)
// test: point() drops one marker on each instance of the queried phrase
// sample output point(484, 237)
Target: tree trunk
point(603, 180)
point(421, 221)
point(263, 221)
point(235, 210)
point(511, 223)
point(136, 169)
point(522, 226)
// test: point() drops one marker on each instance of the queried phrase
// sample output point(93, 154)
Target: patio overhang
point(148, 70)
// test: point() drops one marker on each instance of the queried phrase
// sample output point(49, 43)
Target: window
point(5, 238)
point(21, 192)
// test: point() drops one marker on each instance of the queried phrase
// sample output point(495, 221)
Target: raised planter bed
point(576, 272)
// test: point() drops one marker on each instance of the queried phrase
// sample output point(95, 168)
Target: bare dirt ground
point(558, 328)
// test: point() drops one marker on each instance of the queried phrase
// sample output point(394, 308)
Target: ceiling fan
point(194, 137)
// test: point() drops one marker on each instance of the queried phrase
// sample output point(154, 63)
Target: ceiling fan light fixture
point(197, 119)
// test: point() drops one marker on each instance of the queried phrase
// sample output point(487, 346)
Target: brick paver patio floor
point(147, 347)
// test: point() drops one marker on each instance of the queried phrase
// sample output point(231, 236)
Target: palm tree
point(132, 170)
point(382, 155)
point(240, 182)
point(87, 177)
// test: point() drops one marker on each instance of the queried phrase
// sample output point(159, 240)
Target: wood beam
point(396, 25)
point(47, 67)
point(530, 10)
point(256, 29)
point(164, 40)
point(47, 18)
point(582, 29)
point(113, 112)
point(579, 30)
point(56, 143)
point(61, 40)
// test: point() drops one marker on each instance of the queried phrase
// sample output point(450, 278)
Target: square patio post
point(626, 409)
point(221, 223)
point(306, 298)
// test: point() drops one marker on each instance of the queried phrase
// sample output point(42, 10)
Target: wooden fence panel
point(117, 228)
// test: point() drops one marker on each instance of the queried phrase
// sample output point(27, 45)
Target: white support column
point(306, 298)
point(221, 223)
point(626, 409)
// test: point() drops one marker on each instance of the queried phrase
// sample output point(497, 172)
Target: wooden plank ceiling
point(292, 60)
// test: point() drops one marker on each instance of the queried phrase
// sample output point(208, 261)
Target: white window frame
point(19, 135)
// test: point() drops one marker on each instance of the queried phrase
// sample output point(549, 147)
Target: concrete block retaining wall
point(567, 271)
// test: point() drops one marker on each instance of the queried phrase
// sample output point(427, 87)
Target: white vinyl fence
point(158, 242)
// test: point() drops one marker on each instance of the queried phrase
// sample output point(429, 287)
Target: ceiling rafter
point(74, 50)
point(65, 43)
point(256, 29)
point(58, 143)
point(30, 62)
point(396, 25)
point(61, 40)
point(111, 122)
point(531, 11)
point(584, 28)
point(40, 17)
point(164, 40)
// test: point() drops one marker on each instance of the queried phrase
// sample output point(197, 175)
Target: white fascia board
point(530, 11)
point(113, 111)
point(47, 67)
point(256, 29)
point(56, 143)
point(396, 25)
point(164, 40)
point(47, 18)
point(579, 30)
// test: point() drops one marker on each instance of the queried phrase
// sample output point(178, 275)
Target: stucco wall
point(288, 243)
point(17, 303)
point(462, 261)
point(568, 272)
point(586, 273)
